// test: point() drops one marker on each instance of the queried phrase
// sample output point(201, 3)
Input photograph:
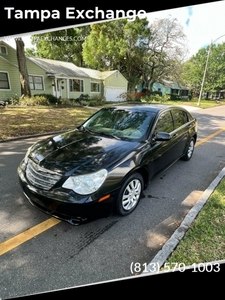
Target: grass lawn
point(194, 102)
point(22, 121)
point(205, 239)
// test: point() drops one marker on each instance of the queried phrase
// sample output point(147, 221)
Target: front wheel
point(129, 194)
point(189, 152)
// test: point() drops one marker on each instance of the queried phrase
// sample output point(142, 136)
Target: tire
point(129, 194)
point(190, 150)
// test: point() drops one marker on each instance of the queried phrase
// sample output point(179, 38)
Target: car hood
point(79, 152)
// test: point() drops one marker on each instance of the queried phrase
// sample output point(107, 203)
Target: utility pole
point(206, 67)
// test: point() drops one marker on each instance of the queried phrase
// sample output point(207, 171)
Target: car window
point(179, 117)
point(121, 123)
point(164, 123)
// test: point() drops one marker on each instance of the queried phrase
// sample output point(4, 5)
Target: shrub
point(175, 97)
point(34, 101)
point(65, 102)
point(155, 97)
point(51, 99)
point(95, 101)
point(128, 96)
point(14, 100)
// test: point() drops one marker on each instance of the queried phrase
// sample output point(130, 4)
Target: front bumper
point(61, 205)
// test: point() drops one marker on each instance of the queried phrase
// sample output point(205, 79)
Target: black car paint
point(80, 152)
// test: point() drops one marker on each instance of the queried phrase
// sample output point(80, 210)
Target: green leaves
point(193, 69)
point(117, 45)
point(65, 45)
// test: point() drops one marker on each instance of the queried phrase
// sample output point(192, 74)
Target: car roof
point(155, 108)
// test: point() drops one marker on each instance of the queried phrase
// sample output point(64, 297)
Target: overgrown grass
point(205, 239)
point(22, 121)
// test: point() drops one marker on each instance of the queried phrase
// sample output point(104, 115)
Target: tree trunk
point(21, 58)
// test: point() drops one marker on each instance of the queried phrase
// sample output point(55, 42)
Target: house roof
point(170, 84)
point(58, 68)
point(97, 74)
point(61, 68)
point(92, 73)
point(173, 85)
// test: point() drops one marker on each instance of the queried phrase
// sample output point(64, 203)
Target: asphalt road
point(64, 256)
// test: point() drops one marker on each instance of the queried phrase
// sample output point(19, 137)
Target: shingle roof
point(174, 85)
point(68, 69)
point(97, 74)
point(60, 68)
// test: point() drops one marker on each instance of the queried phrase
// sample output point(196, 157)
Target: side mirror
point(162, 136)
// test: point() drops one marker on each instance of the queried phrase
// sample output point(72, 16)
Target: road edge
point(167, 249)
point(11, 139)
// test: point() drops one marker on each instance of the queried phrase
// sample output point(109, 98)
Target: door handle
point(174, 135)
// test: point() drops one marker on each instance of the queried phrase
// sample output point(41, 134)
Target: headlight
point(25, 160)
point(27, 154)
point(86, 184)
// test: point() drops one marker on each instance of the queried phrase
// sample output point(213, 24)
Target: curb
point(31, 136)
point(167, 249)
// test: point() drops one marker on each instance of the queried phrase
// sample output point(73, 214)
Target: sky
point(202, 24)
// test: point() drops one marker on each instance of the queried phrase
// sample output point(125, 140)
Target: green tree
point(117, 45)
point(65, 45)
point(143, 53)
point(166, 50)
point(30, 51)
point(193, 69)
point(215, 79)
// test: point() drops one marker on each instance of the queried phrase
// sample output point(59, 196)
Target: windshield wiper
point(82, 128)
point(108, 134)
point(85, 129)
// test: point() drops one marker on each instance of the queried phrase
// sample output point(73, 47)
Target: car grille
point(41, 177)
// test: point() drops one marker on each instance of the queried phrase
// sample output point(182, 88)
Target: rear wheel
point(189, 152)
point(129, 194)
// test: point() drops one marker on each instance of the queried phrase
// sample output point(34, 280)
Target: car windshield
point(120, 123)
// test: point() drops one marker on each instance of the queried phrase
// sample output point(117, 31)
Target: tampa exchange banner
point(20, 18)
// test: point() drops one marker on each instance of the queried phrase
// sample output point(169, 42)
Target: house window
point(174, 91)
point(4, 81)
point(95, 87)
point(184, 93)
point(3, 50)
point(76, 85)
point(36, 82)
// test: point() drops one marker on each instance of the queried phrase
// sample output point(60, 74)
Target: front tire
point(129, 194)
point(190, 150)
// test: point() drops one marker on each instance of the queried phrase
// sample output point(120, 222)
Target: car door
point(181, 130)
point(162, 152)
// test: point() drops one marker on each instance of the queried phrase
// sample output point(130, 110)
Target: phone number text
point(137, 268)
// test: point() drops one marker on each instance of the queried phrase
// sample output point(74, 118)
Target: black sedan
point(104, 165)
